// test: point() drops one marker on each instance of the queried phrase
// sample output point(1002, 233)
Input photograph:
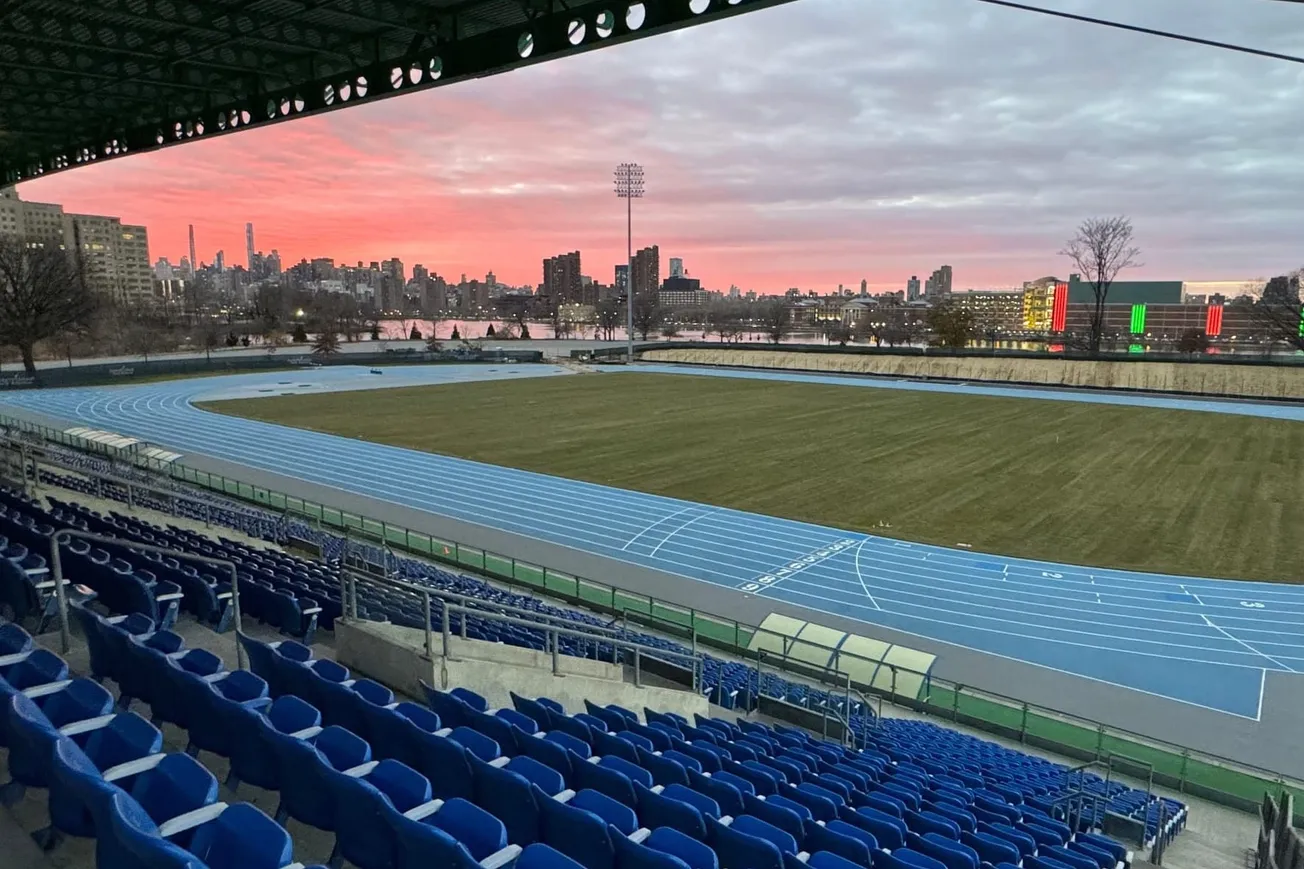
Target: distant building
point(1127, 292)
point(1039, 304)
point(676, 267)
point(992, 311)
point(647, 270)
point(115, 257)
point(939, 284)
point(621, 279)
point(679, 292)
point(912, 289)
point(563, 282)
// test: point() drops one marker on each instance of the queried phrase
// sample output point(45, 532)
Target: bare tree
point(776, 320)
point(1279, 310)
point(43, 293)
point(647, 314)
point(1102, 248)
point(609, 315)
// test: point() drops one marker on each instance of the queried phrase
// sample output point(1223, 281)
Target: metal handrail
point(553, 631)
point(56, 568)
point(480, 602)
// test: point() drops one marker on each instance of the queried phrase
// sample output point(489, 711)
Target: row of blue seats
point(108, 778)
point(727, 683)
point(1051, 770)
point(655, 794)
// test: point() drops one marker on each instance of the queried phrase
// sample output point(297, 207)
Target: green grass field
point(1169, 491)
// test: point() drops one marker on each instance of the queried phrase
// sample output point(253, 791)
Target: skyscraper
point(912, 289)
point(562, 282)
point(939, 284)
point(249, 246)
point(676, 267)
point(647, 270)
point(622, 278)
point(194, 263)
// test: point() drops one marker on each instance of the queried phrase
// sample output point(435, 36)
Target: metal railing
point(546, 623)
point(56, 569)
point(1224, 780)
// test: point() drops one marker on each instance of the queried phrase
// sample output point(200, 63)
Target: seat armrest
point(86, 725)
point(501, 858)
point(425, 810)
point(190, 820)
point(47, 689)
point(133, 767)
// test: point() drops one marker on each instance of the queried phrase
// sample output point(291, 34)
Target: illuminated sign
point(1059, 308)
point(1138, 319)
point(1213, 321)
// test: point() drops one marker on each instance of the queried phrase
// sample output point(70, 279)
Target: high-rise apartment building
point(647, 270)
point(562, 279)
point(115, 257)
point(912, 289)
point(939, 284)
point(621, 280)
point(676, 267)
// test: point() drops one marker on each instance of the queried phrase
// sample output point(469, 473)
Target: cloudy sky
point(813, 144)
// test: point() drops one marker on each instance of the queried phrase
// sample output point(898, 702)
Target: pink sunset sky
point(808, 145)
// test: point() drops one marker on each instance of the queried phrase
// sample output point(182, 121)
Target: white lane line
point(1246, 645)
point(862, 578)
point(666, 539)
point(625, 548)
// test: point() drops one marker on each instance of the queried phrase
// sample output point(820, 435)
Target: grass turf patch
point(1170, 491)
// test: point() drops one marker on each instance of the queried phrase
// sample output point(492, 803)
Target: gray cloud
point(935, 123)
point(812, 144)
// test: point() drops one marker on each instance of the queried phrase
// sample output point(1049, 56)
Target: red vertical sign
point(1059, 308)
point(1213, 321)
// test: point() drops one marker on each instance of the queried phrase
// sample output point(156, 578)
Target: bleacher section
point(286, 590)
point(454, 784)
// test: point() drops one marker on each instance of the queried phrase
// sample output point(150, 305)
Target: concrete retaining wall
point(394, 656)
point(1256, 381)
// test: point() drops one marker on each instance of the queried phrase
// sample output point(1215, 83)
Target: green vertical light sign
point(1138, 319)
point(1301, 324)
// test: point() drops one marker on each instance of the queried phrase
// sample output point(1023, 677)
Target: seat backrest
point(179, 784)
point(81, 699)
point(419, 845)
point(342, 748)
point(542, 776)
point(693, 852)
point(660, 810)
point(289, 714)
point(134, 836)
point(578, 833)
point(615, 813)
point(509, 797)
point(784, 814)
point(540, 856)
point(481, 833)
point(606, 780)
point(38, 668)
point(242, 837)
point(737, 848)
point(475, 742)
point(699, 801)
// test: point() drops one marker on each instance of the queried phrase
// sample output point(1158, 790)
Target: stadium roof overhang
point(87, 80)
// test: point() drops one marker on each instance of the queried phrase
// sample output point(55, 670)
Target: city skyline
point(779, 180)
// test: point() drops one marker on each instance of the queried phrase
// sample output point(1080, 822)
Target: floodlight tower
point(629, 186)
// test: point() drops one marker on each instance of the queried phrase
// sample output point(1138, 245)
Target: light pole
point(629, 186)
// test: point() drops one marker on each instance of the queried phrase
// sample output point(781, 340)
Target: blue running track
point(1200, 641)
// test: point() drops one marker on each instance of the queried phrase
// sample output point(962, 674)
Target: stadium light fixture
point(629, 186)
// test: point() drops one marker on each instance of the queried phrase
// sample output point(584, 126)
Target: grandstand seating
point(454, 783)
point(457, 784)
